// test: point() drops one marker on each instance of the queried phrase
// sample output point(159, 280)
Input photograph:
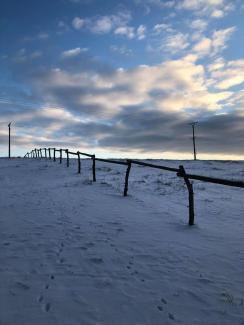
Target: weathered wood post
point(67, 157)
point(45, 153)
point(127, 177)
point(94, 168)
point(60, 157)
point(40, 153)
point(35, 153)
point(49, 153)
point(183, 174)
point(78, 159)
point(54, 154)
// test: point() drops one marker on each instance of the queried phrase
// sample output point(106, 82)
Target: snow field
point(77, 252)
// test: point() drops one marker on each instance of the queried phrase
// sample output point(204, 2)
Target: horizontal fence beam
point(73, 153)
point(112, 161)
point(85, 154)
point(213, 180)
point(170, 169)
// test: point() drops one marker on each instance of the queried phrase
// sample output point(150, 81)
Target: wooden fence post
point(78, 159)
point(49, 153)
point(127, 177)
point(94, 168)
point(40, 152)
point(45, 153)
point(67, 160)
point(54, 154)
point(60, 157)
point(190, 194)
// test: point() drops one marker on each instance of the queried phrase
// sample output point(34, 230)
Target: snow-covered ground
point(73, 252)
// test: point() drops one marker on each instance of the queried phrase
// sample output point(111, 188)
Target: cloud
point(123, 50)
point(43, 36)
point(78, 23)
point(23, 56)
point(212, 8)
point(214, 45)
point(175, 43)
point(40, 36)
point(203, 47)
point(199, 25)
point(162, 4)
point(73, 52)
point(125, 31)
point(103, 25)
point(141, 32)
point(220, 38)
point(159, 28)
point(227, 74)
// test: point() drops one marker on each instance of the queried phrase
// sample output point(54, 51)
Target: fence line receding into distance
point(180, 172)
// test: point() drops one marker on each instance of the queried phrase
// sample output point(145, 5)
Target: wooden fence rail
point(180, 172)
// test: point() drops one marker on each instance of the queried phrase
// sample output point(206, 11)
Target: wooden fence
point(180, 172)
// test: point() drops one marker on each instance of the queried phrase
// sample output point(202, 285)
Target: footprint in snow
point(96, 260)
point(47, 307)
point(6, 244)
point(163, 301)
point(22, 286)
point(40, 298)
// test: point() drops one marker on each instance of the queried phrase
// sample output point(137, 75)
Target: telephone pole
point(193, 139)
point(9, 139)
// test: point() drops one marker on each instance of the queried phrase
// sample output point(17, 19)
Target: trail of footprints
point(46, 305)
point(63, 221)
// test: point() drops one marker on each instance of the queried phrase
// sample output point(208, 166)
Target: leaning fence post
point(127, 177)
point(183, 174)
point(54, 154)
point(94, 168)
point(78, 154)
point(67, 160)
point(60, 157)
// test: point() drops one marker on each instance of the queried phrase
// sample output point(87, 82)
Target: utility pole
point(9, 140)
point(193, 139)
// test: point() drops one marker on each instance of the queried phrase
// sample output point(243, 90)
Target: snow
point(76, 252)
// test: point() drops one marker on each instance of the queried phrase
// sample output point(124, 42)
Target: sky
point(123, 78)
